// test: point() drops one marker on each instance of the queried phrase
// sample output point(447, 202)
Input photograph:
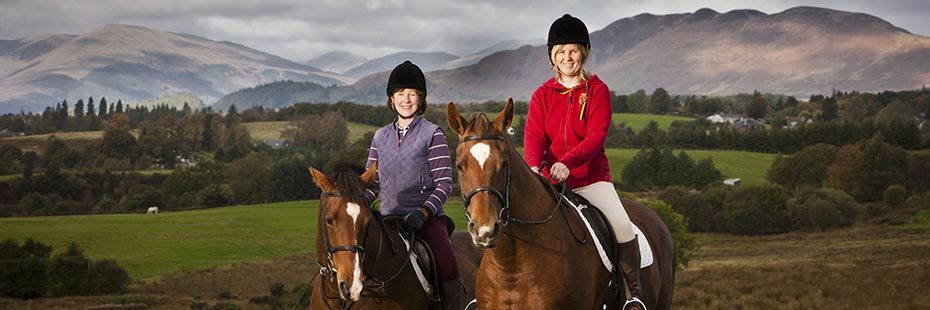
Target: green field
point(639, 121)
point(632, 120)
point(9, 177)
point(152, 245)
point(272, 130)
point(748, 166)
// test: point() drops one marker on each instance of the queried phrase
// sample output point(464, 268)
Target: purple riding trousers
point(435, 234)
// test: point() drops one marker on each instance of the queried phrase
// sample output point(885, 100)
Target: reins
point(329, 272)
point(504, 217)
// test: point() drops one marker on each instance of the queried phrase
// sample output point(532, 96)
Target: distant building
point(747, 124)
point(725, 118)
point(275, 143)
point(732, 182)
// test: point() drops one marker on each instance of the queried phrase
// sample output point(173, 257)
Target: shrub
point(141, 197)
point(22, 269)
point(66, 272)
point(276, 289)
point(107, 277)
point(894, 195)
point(105, 205)
point(823, 209)
point(73, 273)
point(755, 210)
point(824, 216)
point(211, 195)
point(685, 245)
point(692, 205)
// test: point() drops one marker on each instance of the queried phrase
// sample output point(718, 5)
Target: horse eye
point(330, 222)
point(459, 167)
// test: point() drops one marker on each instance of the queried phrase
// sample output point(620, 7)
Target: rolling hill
point(135, 63)
point(800, 51)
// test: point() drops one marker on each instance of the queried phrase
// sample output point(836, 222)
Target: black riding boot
point(453, 294)
point(629, 264)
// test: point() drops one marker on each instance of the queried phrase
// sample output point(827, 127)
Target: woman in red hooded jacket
point(567, 123)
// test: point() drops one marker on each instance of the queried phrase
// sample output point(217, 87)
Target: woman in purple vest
point(415, 174)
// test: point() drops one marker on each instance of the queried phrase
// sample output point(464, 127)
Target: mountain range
point(800, 51)
point(135, 63)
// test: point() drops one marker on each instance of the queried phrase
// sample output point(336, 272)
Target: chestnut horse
point(533, 258)
point(364, 264)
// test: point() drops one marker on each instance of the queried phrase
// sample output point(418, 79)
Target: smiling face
point(407, 102)
point(568, 59)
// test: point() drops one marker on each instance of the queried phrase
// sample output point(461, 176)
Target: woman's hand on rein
point(559, 171)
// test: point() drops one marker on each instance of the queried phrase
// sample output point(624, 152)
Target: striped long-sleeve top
point(414, 168)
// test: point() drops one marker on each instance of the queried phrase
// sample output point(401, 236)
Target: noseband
point(504, 217)
point(504, 198)
point(327, 269)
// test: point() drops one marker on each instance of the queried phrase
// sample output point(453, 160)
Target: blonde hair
point(585, 54)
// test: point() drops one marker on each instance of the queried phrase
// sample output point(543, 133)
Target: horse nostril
point(497, 228)
point(471, 226)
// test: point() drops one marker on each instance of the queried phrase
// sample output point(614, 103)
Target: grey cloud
point(299, 30)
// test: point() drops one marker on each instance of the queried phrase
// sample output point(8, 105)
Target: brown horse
point(534, 259)
point(364, 263)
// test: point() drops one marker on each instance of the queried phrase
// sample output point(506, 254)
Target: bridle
point(504, 216)
point(330, 248)
point(326, 269)
point(329, 272)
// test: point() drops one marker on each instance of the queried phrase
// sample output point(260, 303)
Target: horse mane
point(481, 124)
point(345, 175)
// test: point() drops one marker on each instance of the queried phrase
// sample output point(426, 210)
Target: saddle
point(420, 257)
point(603, 232)
point(601, 229)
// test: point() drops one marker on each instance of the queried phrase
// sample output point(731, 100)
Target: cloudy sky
point(300, 30)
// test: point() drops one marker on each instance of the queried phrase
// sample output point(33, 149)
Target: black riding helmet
point(568, 30)
point(406, 75)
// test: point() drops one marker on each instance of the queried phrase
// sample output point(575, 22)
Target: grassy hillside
point(639, 121)
point(838, 269)
point(748, 166)
point(632, 120)
point(78, 140)
point(151, 245)
point(272, 130)
point(74, 140)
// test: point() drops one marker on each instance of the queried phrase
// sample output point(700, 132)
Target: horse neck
point(533, 200)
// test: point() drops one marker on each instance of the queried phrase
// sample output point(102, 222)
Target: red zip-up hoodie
point(569, 126)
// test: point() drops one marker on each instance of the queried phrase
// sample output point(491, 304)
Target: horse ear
point(456, 121)
point(321, 180)
point(505, 117)
point(369, 175)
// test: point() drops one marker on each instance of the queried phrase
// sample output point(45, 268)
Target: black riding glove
point(413, 221)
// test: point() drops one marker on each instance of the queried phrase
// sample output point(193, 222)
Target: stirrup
point(634, 300)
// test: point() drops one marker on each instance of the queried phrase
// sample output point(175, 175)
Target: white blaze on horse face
point(480, 151)
point(353, 209)
point(355, 290)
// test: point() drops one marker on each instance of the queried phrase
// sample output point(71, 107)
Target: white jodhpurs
point(604, 197)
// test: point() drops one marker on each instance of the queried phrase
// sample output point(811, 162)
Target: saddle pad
point(645, 251)
point(416, 269)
